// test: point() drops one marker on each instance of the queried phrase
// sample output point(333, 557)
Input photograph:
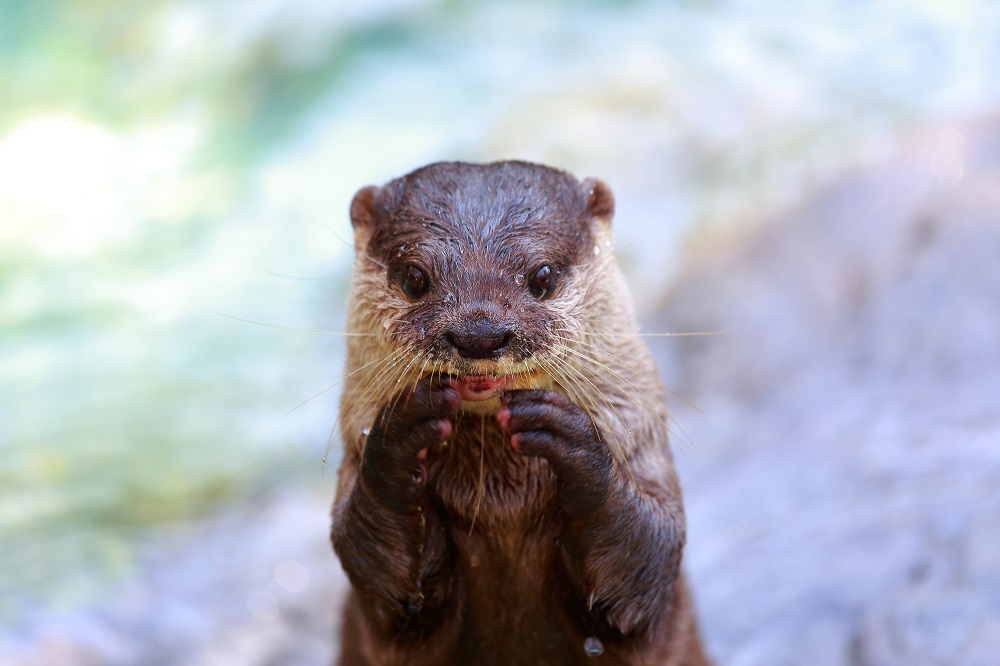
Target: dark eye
point(542, 281)
point(414, 282)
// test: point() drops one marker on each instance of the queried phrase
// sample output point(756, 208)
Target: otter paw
point(411, 422)
point(548, 425)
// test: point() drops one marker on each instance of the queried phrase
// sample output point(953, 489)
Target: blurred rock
point(843, 476)
point(256, 585)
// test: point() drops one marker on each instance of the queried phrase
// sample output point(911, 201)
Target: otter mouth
point(478, 390)
point(475, 388)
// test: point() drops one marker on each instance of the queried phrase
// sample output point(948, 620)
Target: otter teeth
point(475, 388)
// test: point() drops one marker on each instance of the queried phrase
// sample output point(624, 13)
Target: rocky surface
point(255, 585)
point(843, 481)
point(842, 477)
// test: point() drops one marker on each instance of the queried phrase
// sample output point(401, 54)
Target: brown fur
point(506, 531)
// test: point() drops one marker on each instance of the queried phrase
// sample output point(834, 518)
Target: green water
point(127, 401)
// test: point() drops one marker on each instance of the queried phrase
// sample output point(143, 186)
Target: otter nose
point(480, 339)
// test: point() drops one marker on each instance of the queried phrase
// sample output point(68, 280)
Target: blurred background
point(174, 242)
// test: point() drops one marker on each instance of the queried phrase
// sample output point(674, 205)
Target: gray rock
point(257, 584)
point(843, 476)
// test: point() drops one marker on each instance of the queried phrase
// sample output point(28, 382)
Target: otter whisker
point(377, 384)
point(423, 368)
point(482, 471)
point(642, 392)
point(364, 401)
point(334, 385)
point(369, 369)
point(350, 245)
point(638, 334)
point(570, 342)
point(635, 370)
point(285, 276)
point(552, 367)
point(346, 334)
point(590, 359)
point(597, 392)
point(397, 395)
point(619, 451)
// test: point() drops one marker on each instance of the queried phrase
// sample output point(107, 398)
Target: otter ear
point(600, 200)
point(363, 208)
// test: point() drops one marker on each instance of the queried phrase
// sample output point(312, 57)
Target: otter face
point(479, 271)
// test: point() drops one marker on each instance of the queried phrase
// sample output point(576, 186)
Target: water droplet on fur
point(365, 431)
point(386, 324)
point(593, 646)
point(597, 250)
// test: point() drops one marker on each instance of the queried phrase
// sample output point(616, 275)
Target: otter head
point(479, 272)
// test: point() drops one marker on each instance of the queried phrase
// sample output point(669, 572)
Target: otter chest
point(513, 599)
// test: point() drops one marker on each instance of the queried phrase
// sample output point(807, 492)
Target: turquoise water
point(167, 166)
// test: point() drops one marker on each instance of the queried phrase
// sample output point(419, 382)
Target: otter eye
point(414, 282)
point(542, 282)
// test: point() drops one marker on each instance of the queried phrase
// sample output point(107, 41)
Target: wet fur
point(511, 535)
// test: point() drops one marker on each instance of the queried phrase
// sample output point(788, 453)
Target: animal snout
point(479, 340)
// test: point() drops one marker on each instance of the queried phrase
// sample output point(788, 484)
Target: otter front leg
point(622, 535)
point(384, 530)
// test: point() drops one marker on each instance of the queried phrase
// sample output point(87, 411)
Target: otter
point(507, 493)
